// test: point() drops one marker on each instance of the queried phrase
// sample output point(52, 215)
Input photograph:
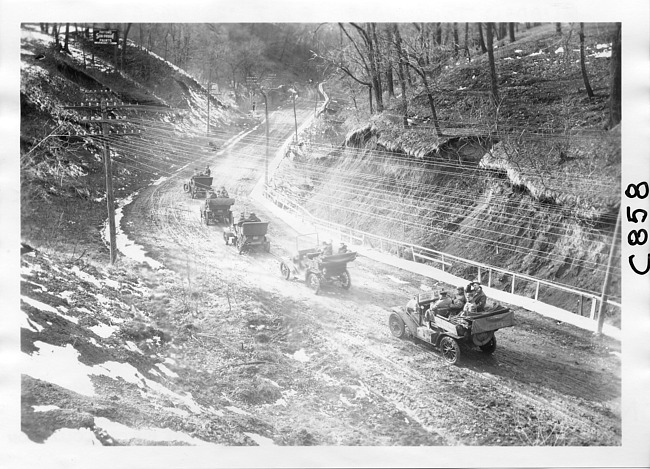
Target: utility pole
point(104, 107)
point(294, 94)
point(108, 172)
point(266, 151)
point(603, 296)
point(209, 82)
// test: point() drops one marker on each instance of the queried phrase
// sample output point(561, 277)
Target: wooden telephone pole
point(104, 107)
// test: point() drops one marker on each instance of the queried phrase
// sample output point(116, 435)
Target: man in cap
point(440, 307)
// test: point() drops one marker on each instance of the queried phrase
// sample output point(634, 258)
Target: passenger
point(211, 194)
point(343, 248)
point(440, 307)
point(253, 217)
point(223, 193)
point(475, 295)
point(458, 302)
point(207, 172)
point(326, 249)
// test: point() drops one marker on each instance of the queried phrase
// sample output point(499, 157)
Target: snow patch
point(125, 245)
point(123, 432)
point(159, 181)
point(236, 410)
point(44, 408)
point(73, 437)
point(85, 276)
point(559, 50)
point(45, 307)
point(28, 324)
point(300, 356)
point(103, 330)
point(259, 439)
point(166, 370)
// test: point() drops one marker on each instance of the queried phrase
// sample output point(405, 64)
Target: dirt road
point(333, 372)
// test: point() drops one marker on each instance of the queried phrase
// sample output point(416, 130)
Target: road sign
point(105, 36)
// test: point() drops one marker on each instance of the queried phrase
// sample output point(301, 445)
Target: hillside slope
point(535, 191)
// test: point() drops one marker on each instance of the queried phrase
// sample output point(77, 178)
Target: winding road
point(547, 383)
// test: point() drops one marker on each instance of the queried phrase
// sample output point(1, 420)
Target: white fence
point(440, 259)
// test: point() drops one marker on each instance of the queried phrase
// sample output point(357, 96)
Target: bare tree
point(583, 67)
point(481, 41)
point(124, 44)
point(511, 31)
point(401, 70)
point(493, 73)
point(615, 80)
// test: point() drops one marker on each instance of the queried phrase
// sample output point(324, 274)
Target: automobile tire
point(396, 325)
point(314, 282)
point(286, 272)
point(450, 350)
point(345, 279)
point(490, 347)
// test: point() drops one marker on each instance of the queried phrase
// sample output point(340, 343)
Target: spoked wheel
point(286, 272)
point(396, 325)
point(186, 187)
point(346, 282)
point(240, 246)
point(267, 246)
point(314, 282)
point(490, 347)
point(450, 350)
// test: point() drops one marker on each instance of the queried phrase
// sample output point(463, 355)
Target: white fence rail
point(440, 259)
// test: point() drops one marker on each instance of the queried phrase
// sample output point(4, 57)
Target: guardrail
point(443, 260)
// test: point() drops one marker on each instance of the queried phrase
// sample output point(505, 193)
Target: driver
point(440, 307)
point(206, 172)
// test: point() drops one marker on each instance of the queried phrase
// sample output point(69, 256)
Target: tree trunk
point(493, 73)
point(372, 111)
point(389, 80)
point(66, 38)
point(615, 80)
point(558, 28)
point(374, 67)
point(583, 67)
point(400, 72)
point(126, 34)
point(55, 33)
point(455, 38)
point(481, 41)
point(511, 31)
point(466, 41)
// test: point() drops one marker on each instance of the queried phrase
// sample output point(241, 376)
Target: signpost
point(105, 36)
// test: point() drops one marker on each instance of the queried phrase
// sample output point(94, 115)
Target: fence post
point(513, 284)
point(413, 253)
point(582, 299)
point(489, 277)
point(479, 274)
point(537, 291)
point(592, 314)
point(442, 256)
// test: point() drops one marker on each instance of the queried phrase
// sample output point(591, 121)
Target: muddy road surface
point(333, 373)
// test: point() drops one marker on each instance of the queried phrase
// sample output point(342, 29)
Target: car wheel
point(490, 347)
point(396, 325)
point(286, 272)
point(346, 282)
point(450, 350)
point(314, 282)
